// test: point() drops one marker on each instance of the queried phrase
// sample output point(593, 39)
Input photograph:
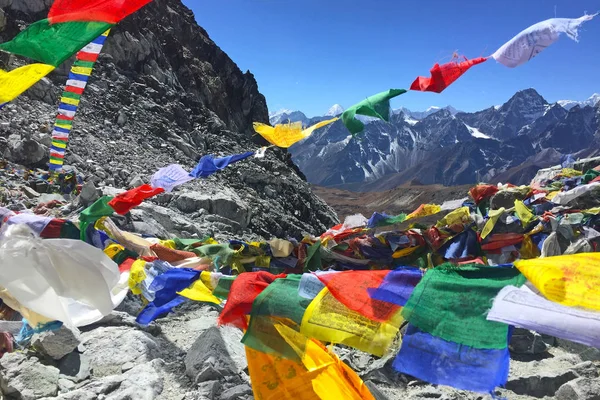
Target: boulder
point(540, 385)
point(75, 367)
point(580, 389)
point(58, 343)
point(109, 348)
point(216, 354)
point(527, 342)
point(26, 378)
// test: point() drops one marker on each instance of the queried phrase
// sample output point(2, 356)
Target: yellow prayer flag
point(82, 71)
point(493, 217)
point(424, 210)
point(70, 101)
point(335, 379)
point(461, 215)
point(524, 213)
point(285, 135)
point(199, 292)
point(113, 249)
point(15, 82)
point(137, 275)
point(571, 280)
point(329, 320)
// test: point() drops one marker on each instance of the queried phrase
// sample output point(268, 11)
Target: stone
point(127, 366)
point(524, 341)
point(142, 382)
point(587, 369)
point(41, 187)
point(236, 392)
point(75, 367)
point(586, 353)
point(136, 181)
point(540, 385)
point(580, 389)
point(215, 354)
point(377, 394)
point(29, 192)
point(209, 389)
point(58, 343)
point(65, 385)
point(122, 118)
point(109, 348)
point(505, 198)
point(27, 379)
point(89, 194)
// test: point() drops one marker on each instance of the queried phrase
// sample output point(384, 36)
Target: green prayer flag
point(377, 106)
point(93, 213)
point(54, 44)
point(221, 254)
point(280, 299)
point(452, 302)
point(590, 175)
point(313, 257)
point(223, 287)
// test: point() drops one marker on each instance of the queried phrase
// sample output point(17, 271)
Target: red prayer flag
point(109, 11)
point(443, 75)
point(482, 192)
point(351, 289)
point(170, 255)
point(244, 289)
point(130, 199)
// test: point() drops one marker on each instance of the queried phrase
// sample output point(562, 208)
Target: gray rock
point(208, 389)
point(217, 353)
point(27, 379)
point(585, 352)
point(375, 391)
point(142, 382)
point(75, 367)
point(109, 348)
point(29, 192)
point(136, 181)
point(57, 344)
point(542, 384)
point(527, 342)
point(65, 385)
point(89, 194)
point(505, 199)
point(580, 389)
point(236, 392)
point(587, 369)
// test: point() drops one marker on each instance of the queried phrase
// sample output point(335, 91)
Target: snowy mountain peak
point(591, 101)
point(280, 112)
point(334, 111)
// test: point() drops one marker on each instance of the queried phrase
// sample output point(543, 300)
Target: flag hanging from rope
point(69, 102)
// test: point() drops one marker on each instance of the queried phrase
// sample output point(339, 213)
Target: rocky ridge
point(162, 92)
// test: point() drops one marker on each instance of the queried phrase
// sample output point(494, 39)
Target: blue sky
point(310, 54)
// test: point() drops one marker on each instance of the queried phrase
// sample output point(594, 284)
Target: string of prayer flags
point(522, 307)
point(54, 44)
point(451, 302)
point(377, 106)
point(109, 11)
point(285, 135)
point(209, 165)
point(571, 280)
point(14, 83)
point(533, 40)
point(328, 320)
point(442, 362)
point(444, 75)
point(81, 70)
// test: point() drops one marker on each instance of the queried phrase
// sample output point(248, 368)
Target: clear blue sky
point(310, 54)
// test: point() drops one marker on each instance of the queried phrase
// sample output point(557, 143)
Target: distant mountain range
point(447, 146)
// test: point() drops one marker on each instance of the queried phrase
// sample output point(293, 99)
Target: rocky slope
point(443, 146)
point(163, 92)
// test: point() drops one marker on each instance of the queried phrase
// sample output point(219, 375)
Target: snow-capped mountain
point(592, 101)
point(334, 111)
point(443, 145)
point(284, 116)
